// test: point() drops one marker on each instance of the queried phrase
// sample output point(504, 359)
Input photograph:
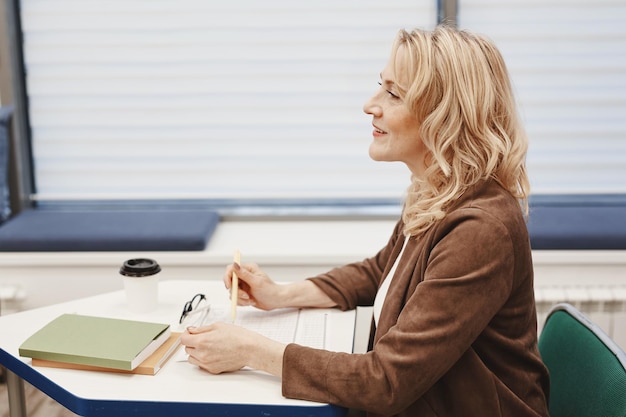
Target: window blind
point(193, 99)
point(567, 59)
point(197, 99)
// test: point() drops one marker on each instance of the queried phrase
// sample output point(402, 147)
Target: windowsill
point(289, 242)
point(286, 242)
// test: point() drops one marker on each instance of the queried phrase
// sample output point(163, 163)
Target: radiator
point(605, 305)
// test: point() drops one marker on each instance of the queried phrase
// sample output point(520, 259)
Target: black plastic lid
point(140, 267)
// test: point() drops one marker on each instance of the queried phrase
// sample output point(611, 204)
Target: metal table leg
point(17, 400)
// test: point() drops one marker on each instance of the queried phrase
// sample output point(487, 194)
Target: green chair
point(587, 368)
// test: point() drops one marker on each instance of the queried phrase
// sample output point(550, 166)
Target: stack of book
point(77, 341)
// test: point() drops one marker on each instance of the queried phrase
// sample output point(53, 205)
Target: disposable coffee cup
point(141, 284)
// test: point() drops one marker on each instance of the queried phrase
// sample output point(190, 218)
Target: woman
point(454, 311)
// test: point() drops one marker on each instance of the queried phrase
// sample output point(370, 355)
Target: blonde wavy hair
point(460, 92)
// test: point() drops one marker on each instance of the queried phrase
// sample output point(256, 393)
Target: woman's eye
point(391, 93)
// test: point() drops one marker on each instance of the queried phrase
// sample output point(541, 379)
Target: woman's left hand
point(223, 347)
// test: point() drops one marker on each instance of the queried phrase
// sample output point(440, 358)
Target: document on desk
point(289, 325)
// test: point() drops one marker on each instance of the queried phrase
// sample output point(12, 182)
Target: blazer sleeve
point(468, 274)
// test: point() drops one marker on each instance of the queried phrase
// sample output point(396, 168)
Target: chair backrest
point(587, 369)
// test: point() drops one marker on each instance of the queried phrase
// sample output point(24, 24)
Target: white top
point(382, 291)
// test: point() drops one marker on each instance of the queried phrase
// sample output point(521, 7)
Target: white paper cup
point(141, 284)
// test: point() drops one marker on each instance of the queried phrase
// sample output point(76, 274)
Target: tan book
point(150, 366)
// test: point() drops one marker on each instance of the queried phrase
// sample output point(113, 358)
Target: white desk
point(178, 389)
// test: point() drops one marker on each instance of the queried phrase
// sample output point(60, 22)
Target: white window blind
point(567, 59)
point(245, 99)
point(204, 99)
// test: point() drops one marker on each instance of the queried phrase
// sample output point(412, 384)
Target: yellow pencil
point(234, 288)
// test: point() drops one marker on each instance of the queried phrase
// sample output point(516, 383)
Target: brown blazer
point(457, 335)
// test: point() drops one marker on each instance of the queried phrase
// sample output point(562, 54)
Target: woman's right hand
point(256, 288)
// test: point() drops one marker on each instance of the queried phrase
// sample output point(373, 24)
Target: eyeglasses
point(191, 305)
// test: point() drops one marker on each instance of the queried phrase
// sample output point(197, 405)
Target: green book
point(97, 341)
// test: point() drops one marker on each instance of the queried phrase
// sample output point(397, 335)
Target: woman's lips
point(378, 131)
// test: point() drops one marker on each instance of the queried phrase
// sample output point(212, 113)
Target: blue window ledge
point(556, 222)
point(41, 230)
point(596, 222)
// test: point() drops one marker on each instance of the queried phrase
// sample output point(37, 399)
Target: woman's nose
point(371, 107)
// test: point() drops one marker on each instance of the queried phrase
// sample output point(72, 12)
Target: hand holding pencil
point(234, 289)
point(249, 286)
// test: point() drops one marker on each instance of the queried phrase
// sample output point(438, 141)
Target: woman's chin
point(375, 154)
